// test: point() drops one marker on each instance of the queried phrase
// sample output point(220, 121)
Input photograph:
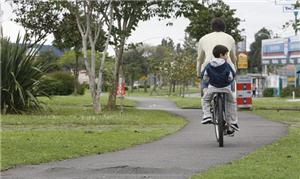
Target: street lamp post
point(1, 30)
point(296, 20)
point(296, 10)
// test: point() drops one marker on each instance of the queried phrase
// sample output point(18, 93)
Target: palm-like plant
point(20, 75)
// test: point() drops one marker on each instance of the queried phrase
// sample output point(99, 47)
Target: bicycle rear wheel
point(215, 118)
point(221, 121)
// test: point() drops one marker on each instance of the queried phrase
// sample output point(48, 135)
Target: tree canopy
point(255, 50)
point(200, 16)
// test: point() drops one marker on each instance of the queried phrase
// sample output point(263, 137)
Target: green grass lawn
point(258, 103)
point(275, 103)
point(68, 129)
point(182, 102)
point(160, 92)
point(278, 160)
point(186, 102)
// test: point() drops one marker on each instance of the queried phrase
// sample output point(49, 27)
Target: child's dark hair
point(218, 25)
point(218, 50)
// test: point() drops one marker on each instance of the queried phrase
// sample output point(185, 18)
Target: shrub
point(58, 83)
point(142, 86)
point(81, 89)
point(20, 77)
point(269, 92)
point(288, 91)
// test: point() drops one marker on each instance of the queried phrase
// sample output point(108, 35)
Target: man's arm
point(200, 58)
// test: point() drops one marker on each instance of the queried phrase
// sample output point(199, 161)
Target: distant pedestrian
point(254, 90)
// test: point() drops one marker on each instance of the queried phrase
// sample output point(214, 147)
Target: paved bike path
point(193, 149)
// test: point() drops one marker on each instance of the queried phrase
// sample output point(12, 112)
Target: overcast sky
point(256, 13)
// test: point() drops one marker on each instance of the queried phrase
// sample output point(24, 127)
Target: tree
point(95, 14)
point(179, 66)
point(67, 36)
point(200, 16)
point(48, 57)
point(135, 65)
point(169, 62)
point(153, 63)
point(255, 50)
point(187, 60)
point(186, 70)
point(39, 18)
point(127, 16)
point(42, 18)
point(190, 45)
point(67, 62)
point(161, 64)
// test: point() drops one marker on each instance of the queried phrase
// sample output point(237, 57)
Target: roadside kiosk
point(244, 92)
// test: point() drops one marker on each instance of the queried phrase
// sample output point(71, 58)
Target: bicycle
point(218, 110)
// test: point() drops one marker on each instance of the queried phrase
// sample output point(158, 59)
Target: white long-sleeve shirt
point(206, 45)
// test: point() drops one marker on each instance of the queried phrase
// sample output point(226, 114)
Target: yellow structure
point(242, 61)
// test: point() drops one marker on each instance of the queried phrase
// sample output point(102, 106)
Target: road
point(193, 149)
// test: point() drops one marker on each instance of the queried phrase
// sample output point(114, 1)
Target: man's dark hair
point(218, 25)
point(218, 50)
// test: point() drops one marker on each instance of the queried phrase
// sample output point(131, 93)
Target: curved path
point(178, 156)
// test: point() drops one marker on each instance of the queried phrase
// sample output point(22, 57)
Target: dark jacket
point(219, 75)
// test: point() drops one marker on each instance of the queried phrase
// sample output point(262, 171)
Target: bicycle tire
point(221, 121)
point(215, 118)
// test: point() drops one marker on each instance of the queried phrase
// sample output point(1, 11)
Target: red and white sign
point(244, 92)
point(121, 89)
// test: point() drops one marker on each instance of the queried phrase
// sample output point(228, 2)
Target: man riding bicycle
point(205, 55)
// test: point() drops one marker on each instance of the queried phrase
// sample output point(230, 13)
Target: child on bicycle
point(219, 74)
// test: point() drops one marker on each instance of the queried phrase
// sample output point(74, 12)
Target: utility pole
point(1, 30)
point(297, 22)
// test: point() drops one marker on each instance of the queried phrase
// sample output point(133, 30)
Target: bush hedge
point(81, 89)
point(142, 86)
point(58, 83)
point(269, 92)
point(288, 91)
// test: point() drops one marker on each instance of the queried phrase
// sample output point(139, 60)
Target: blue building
point(281, 51)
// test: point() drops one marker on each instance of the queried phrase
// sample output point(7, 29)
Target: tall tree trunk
point(131, 83)
point(111, 104)
point(180, 90)
point(161, 82)
point(145, 86)
point(154, 85)
point(87, 66)
point(76, 73)
point(101, 69)
point(170, 88)
point(93, 80)
point(174, 85)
